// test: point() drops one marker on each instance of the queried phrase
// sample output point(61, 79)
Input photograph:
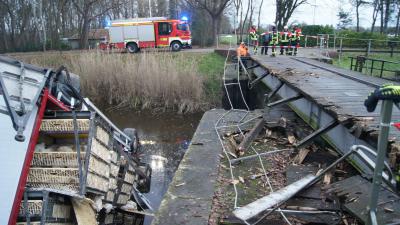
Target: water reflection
point(164, 140)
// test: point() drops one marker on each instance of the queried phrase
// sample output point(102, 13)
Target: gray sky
point(325, 12)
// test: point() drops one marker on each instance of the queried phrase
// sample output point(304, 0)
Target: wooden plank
point(272, 200)
point(342, 96)
point(356, 192)
point(250, 136)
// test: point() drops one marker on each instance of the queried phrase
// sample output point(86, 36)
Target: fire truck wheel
point(133, 134)
point(132, 47)
point(176, 46)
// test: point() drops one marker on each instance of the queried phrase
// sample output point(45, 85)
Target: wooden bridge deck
point(340, 92)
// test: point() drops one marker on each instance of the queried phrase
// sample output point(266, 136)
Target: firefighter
point(242, 51)
point(295, 40)
point(274, 37)
point(284, 39)
point(254, 38)
point(265, 39)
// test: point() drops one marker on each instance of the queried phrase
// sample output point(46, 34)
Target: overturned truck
point(64, 161)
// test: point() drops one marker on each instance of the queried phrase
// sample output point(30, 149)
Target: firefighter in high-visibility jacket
point(274, 37)
point(295, 39)
point(253, 33)
point(284, 39)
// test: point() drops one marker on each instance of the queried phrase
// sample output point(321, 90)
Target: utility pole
point(314, 6)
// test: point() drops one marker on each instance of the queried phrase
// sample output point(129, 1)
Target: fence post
point(340, 49)
point(305, 41)
point(369, 47)
point(334, 42)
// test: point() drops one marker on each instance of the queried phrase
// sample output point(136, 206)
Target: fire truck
point(155, 32)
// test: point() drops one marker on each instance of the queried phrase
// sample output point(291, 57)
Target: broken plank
point(272, 200)
point(250, 136)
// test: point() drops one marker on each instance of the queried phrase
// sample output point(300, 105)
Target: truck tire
point(132, 48)
point(144, 183)
point(176, 46)
point(133, 135)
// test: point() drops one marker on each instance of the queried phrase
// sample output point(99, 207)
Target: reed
point(158, 81)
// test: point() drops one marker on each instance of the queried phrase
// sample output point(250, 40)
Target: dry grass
point(157, 81)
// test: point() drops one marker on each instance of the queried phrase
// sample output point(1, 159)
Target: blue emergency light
point(184, 18)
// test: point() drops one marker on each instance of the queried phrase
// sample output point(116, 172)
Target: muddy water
point(165, 138)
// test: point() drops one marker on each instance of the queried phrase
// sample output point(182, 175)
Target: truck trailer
point(156, 32)
point(63, 154)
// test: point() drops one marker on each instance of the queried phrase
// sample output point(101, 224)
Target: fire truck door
point(164, 32)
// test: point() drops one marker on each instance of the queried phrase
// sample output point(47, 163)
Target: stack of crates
point(43, 207)
point(100, 171)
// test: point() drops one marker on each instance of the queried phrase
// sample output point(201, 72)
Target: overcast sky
point(325, 12)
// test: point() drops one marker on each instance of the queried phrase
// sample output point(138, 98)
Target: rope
point(237, 124)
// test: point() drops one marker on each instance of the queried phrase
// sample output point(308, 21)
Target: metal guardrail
point(360, 63)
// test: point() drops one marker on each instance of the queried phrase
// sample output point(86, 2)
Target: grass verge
point(346, 61)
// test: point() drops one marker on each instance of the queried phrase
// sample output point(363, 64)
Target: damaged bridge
point(330, 102)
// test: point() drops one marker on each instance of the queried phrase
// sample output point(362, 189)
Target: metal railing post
point(340, 49)
point(386, 115)
point(369, 47)
point(305, 41)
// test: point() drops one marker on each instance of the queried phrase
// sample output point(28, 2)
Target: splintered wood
point(250, 136)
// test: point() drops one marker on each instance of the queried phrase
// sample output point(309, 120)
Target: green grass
point(211, 66)
point(346, 61)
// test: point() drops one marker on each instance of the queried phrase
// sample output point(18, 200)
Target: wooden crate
point(65, 179)
point(57, 209)
point(130, 177)
point(102, 135)
point(97, 182)
point(114, 169)
point(123, 199)
point(100, 150)
point(64, 125)
point(48, 223)
point(126, 188)
point(114, 156)
point(56, 159)
point(99, 167)
point(112, 183)
point(110, 195)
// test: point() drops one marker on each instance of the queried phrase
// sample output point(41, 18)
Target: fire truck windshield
point(183, 27)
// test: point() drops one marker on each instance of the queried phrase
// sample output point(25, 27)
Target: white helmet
point(285, 27)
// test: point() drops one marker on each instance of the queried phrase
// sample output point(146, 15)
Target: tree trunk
point(381, 9)
point(375, 14)
point(387, 15)
point(214, 24)
point(358, 16)
point(259, 14)
point(83, 42)
point(398, 22)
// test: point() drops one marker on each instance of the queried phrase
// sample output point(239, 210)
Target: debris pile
point(291, 173)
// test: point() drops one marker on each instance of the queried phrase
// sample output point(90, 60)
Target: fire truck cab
point(138, 33)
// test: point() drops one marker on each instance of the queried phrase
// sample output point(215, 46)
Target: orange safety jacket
point(242, 51)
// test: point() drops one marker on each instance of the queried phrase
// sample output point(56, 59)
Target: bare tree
point(357, 4)
point(90, 10)
point(398, 19)
point(214, 8)
point(376, 9)
point(259, 14)
point(285, 9)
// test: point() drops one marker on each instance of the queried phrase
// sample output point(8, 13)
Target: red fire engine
point(138, 33)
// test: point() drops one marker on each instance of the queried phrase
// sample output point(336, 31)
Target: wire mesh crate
point(45, 207)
